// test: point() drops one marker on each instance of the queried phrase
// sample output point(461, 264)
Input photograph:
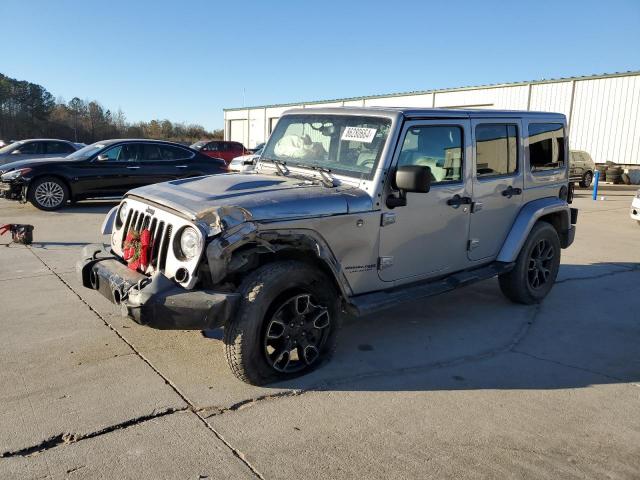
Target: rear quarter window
point(546, 146)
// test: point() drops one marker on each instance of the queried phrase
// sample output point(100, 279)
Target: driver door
point(118, 173)
point(428, 237)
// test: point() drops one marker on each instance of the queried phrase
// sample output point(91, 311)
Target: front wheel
point(48, 193)
point(536, 267)
point(587, 178)
point(286, 323)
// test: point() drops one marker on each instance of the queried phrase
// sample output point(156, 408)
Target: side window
point(546, 146)
point(113, 154)
point(437, 147)
point(170, 152)
point(212, 147)
point(130, 152)
point(151, 152)
point(122, 153)
point(59, 148)
point(30, 148)
point(496, 150)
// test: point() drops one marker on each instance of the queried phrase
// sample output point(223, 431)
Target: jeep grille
point(161, 232)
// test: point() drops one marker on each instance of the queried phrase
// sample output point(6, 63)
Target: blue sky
point(188, 60)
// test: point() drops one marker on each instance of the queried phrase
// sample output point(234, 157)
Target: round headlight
point(189, 243)
point(124, 210)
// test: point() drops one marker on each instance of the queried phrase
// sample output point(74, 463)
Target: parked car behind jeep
point(581, 168)
point(220, 149)
point(104, 169)
point(36, 148)
point(355, 209)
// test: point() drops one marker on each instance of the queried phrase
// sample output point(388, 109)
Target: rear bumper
point(155, 301)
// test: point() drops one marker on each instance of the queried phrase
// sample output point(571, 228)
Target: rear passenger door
point(498, 183)
point(162, 163)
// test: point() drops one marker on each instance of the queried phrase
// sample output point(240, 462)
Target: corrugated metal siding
point(514, 98)
point(551, 97)
point(604, 121)
point(425, 100)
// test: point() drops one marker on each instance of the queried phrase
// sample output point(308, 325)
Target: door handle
point(457, 200)
point(133, 168)
point(510, 192)
point(181, 166)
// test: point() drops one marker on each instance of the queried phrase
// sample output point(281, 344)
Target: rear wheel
point(286, 323)
point(587, 178)
point(48, 193)
point(536, 267)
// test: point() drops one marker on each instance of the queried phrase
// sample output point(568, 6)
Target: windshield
point(87, 151)
point(9, 147)
point(344, 144)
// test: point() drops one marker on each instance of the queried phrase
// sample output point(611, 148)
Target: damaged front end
point(155, 301)
point(207, 297)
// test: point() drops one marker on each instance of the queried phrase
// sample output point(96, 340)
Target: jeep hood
point(253, 197)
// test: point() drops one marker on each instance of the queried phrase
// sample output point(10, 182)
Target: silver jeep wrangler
point(349, 209)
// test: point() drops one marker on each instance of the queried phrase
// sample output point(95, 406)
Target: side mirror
point(409, 178)
point(102, 158)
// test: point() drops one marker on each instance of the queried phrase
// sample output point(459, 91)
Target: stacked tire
point(614, 174)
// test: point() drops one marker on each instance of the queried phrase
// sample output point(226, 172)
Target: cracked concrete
point(462, 385)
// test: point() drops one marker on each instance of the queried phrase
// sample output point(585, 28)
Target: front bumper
point(155, 301)
point(11, 191)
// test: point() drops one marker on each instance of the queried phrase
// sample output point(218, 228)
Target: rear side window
point(496, 150)
point(59, 147)
point(151, 152)
point(170, 152)
point(546, 146)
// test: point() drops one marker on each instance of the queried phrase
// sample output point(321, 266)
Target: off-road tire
point(54, 185)
point(587, 178)
point(515, 285)
point(262, 291)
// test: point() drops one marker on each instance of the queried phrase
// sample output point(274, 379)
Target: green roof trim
point(443, 90)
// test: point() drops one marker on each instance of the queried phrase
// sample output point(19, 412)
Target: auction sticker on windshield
point(359, 134)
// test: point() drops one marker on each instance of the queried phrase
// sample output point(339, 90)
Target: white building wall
point(514, 98)
point(551, 97)
point(603, 112)
point(605, 119)
point(422, 100)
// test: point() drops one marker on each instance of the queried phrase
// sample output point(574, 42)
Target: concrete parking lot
point(464, 385)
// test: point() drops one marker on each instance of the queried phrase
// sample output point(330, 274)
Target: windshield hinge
point(387, 219)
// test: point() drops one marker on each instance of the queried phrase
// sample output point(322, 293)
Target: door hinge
point(385, 262)
point(473, 243)
point(387, 219)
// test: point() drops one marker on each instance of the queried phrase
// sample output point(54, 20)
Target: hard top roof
point(412, 112)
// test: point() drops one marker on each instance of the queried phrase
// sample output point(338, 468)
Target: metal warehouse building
point(603, 111)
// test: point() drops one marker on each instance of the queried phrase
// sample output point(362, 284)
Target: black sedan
point(103, 169)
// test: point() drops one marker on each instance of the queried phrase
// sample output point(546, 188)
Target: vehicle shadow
point(473, 338)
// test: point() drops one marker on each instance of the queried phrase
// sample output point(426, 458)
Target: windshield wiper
point(325, 174)
point(280, 165)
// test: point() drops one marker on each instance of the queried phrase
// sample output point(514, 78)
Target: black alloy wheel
point(296, 333)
